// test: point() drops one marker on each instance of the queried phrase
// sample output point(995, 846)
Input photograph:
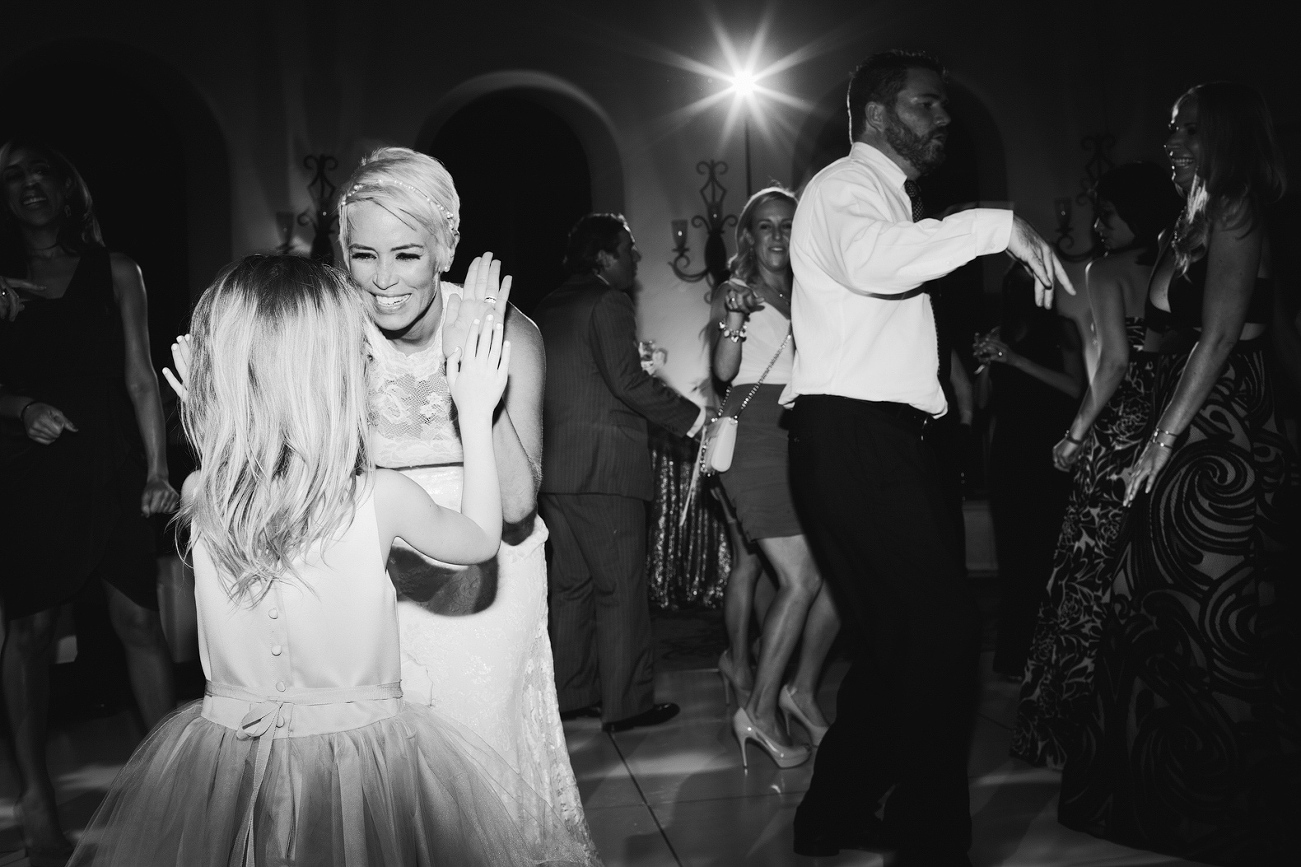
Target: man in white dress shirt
point(864, 388)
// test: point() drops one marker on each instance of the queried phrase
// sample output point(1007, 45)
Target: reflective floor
point(677, 794)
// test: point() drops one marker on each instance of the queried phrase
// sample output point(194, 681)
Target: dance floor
point(677, 794)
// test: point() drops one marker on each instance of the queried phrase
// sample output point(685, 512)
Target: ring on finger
point(490, 300)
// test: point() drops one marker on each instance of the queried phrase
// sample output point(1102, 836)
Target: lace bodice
point(413, 417)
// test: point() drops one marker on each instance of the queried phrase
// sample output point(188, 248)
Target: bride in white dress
point(474, 640)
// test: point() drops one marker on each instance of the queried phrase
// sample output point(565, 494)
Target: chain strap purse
point(718, 439)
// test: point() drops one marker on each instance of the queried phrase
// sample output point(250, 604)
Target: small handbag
point(718, 441)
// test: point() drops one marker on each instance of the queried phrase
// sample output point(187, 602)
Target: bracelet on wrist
point(1072, 440)
point(23, 412)
point(1159, 433)
point(736, 336)
point(1157, 442)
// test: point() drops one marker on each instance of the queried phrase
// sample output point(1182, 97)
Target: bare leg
point(798, 584)
point(820, 630)
point(738, 602)
point(148, 661)
point(26, 674)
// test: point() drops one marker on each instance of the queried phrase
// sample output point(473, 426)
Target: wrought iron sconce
point(1099, 163)
point(321, 216)
point(713, 222)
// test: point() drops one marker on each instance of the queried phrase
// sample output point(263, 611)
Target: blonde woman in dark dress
point(752, 312)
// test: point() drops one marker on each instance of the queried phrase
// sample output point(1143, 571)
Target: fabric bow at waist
point(270, 715)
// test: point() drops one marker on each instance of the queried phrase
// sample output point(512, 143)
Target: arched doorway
point(155, 161)
point(524, 179)
point(151, 153)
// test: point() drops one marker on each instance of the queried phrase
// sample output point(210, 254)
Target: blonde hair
point(410, 186)
point(743, 265)
point(277, 414)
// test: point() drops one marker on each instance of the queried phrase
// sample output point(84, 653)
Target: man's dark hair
point(880, 78)
point(591, 236)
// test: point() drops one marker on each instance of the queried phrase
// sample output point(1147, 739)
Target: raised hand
point(181, 354)
point(741, 299)
point(1028, 247)
point(44, 423)
point(484, 293)
point(11, 304)
point(477, 371)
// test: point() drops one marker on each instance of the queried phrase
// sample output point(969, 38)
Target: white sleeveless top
point(764, 333)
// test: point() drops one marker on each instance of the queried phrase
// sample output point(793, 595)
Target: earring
point(67, 210)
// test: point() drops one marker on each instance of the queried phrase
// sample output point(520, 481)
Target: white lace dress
point(490, 670)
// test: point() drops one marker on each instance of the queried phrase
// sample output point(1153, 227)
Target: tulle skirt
point(410, 789)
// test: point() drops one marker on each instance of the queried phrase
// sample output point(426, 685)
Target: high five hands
point(485, 293)
point(477, 371)
point(1027, 247)
point(181, 353)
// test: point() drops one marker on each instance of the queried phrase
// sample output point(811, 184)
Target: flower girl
point(302, 750)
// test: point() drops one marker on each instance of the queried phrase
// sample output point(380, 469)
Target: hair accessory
point(447, 215)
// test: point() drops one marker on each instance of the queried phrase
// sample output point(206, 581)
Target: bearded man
point(865, 386)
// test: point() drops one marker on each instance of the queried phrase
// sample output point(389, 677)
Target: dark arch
point(524, 179)
point(151, 151)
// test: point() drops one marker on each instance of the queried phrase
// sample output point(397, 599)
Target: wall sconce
point(713, 222)
point(321, 216)
point(1099, 163)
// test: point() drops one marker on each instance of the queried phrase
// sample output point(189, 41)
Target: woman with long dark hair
point(1133, 203)
point(82, 453)
point(752, 351)
point(1191, 744)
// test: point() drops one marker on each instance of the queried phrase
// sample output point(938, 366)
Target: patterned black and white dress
point(1059, 670)
point(1190, 744)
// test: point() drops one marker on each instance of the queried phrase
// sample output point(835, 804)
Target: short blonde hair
point(410, 186)
point(277, 413)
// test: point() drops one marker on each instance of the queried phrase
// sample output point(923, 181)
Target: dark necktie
point(919, 213)
point(915, 197)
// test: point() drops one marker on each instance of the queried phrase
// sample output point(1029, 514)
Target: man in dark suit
point(596, 478)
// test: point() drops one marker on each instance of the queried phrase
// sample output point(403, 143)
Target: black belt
point(913, 418)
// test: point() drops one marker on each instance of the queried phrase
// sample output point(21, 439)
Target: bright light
point(744, 84)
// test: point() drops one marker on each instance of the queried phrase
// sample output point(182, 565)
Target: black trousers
point(599, 605)
point(873, 505)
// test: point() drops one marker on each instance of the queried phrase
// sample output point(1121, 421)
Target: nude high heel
point(786, 702)
point(784, 757)
point(727, 674)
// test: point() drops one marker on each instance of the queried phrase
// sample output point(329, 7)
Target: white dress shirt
point(853, 238)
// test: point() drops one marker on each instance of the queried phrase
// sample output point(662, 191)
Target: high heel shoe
point(727, 674)
point(786, 702)
point(784, 757)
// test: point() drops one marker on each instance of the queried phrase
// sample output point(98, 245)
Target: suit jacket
point(597, 397)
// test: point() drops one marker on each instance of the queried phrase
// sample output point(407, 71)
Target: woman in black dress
point(82, 453)
point(1134, 203)
point(1191, 744)
point(1034, 373)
